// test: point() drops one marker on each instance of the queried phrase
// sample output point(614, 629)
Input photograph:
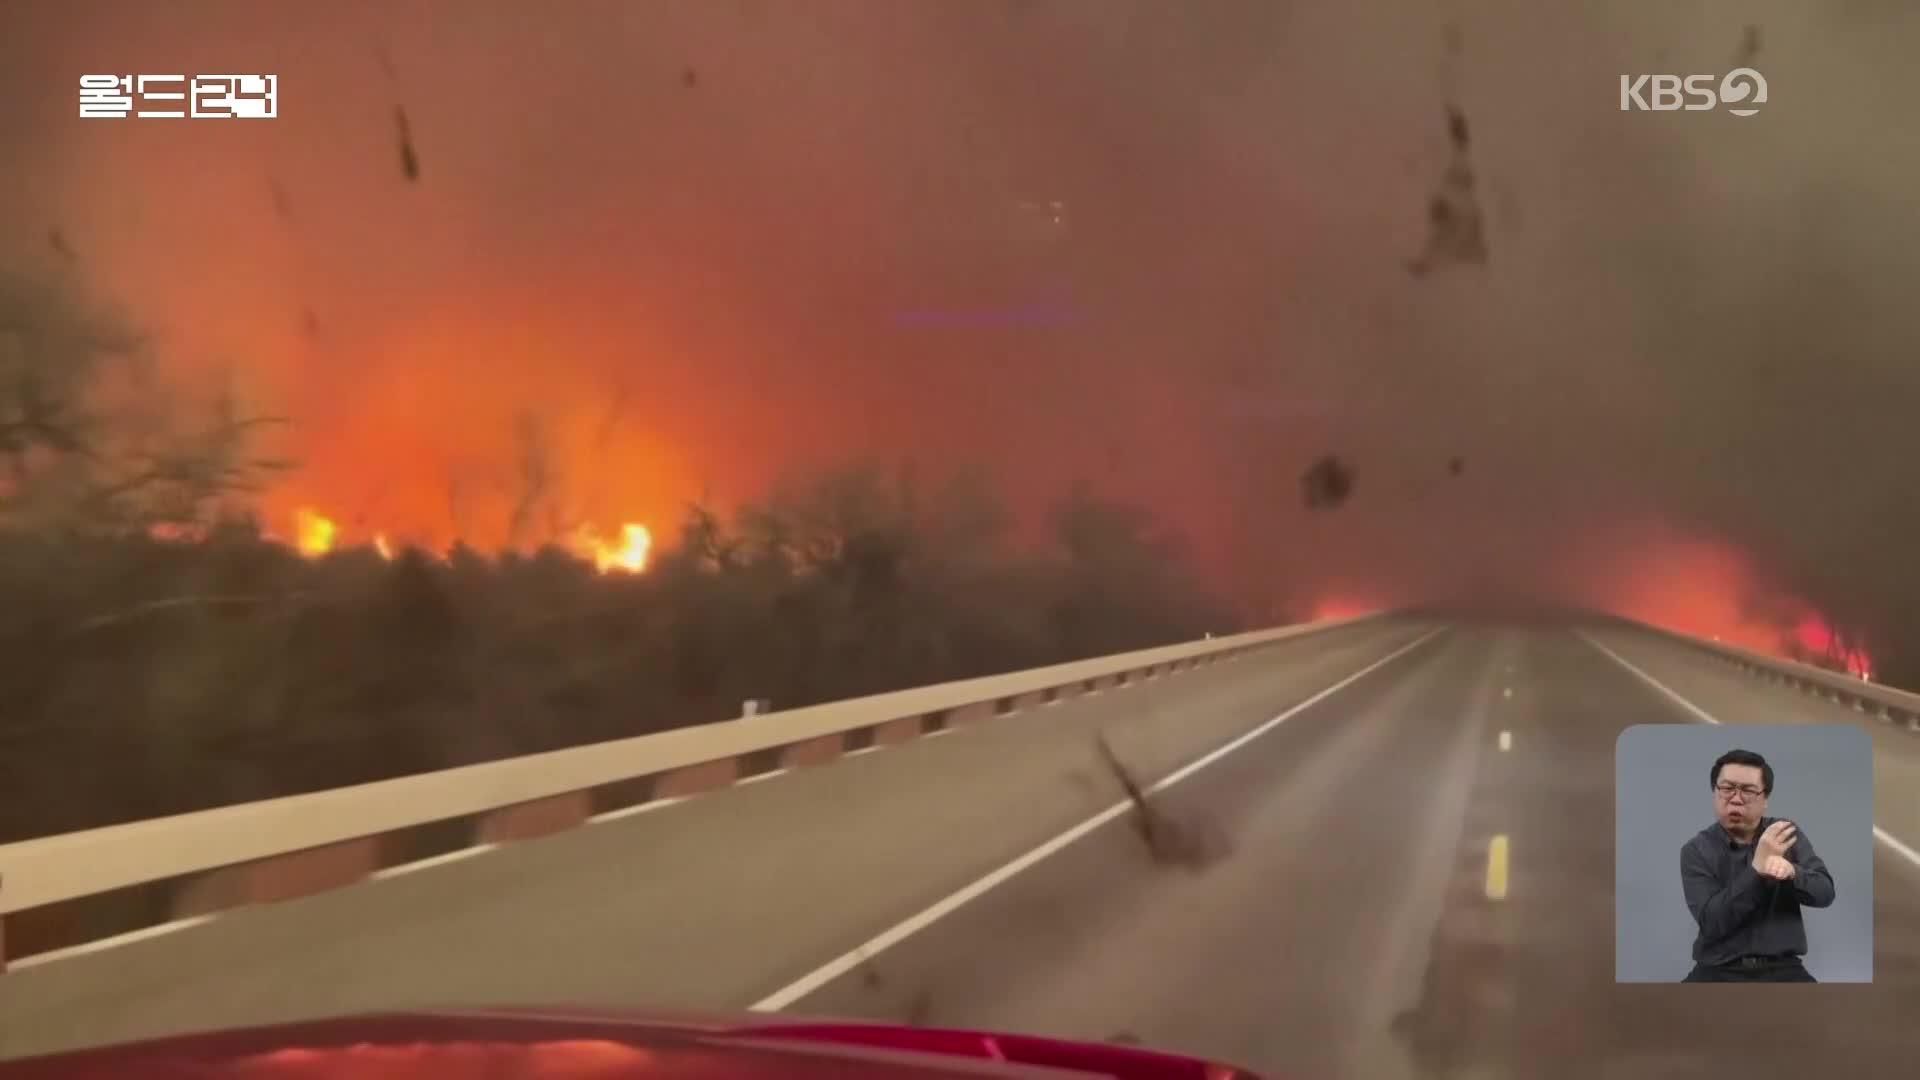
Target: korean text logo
point(203, 97)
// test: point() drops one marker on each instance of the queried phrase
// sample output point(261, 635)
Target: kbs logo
point(1742, 90)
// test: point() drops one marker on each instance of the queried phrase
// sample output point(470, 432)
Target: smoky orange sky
point(705, 243)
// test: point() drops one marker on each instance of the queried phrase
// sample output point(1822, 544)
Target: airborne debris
point(689, 78)
point(1326, 484)
point(1168, 840)
point(1456, 465)
point(1457, 128)
point(58, 241)
point(409, 161)
point(1749, 49)
point(1455, 230)
point(309, 323)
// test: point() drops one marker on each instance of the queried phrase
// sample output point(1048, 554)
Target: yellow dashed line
point(1497, 868)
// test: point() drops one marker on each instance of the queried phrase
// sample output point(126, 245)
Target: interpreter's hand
point(1775, 867)
point(1775, 841)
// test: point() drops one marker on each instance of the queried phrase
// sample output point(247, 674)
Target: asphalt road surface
point(1324, 907)
point(1349, 932)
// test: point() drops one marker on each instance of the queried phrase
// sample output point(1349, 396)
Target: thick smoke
point(1689, 333)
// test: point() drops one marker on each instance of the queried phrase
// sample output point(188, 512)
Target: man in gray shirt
point(1746, 877)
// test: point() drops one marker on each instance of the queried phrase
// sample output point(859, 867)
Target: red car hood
point(594, 1044)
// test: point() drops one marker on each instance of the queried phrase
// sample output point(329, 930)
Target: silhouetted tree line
point(144, 677)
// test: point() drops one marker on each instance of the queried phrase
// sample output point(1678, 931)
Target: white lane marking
point(757, 777)
point(942, 731)
point(1697, 712)
point(432, 861)
point(906, 928)
point(862, 750)
point(117, 940)
point(1894, 844)
point(638, 808)
point(1506, 741)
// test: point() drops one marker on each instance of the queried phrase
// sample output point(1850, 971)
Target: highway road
point(1332, 916)
point(1350, 931)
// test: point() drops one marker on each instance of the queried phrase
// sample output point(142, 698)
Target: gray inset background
point(1822, 781)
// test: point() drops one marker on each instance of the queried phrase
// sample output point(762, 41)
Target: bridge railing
point(1891, 705)
point(62, 890)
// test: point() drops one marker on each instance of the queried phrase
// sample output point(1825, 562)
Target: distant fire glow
point(627, 553)
point(315, 533)
point(1819, 641)
point(1661, 575)
point(1341, 607)
point(1712, 589)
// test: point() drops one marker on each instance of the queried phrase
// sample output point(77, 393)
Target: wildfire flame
point(1817, 639)
point(628, 553)
point(314, 534)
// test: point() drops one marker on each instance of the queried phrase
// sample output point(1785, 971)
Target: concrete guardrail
point(196, 864)
point(1889, 704)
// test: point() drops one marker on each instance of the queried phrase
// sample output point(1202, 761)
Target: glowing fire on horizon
point(314, 534)
point(628, 551)
point(1664, 577)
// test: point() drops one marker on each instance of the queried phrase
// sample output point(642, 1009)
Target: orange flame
point(628, 554)
point(314, 535)
point(1817, 639)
